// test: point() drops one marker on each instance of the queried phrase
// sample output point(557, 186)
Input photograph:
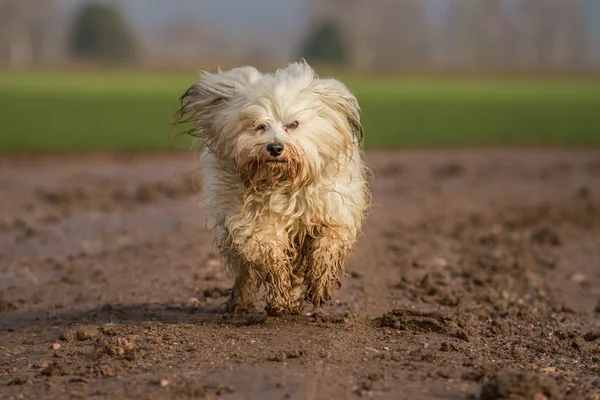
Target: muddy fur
point(286, 223)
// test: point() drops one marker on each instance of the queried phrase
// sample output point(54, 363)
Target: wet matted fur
point(284, 222)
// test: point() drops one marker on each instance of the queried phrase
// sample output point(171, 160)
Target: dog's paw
point(318, 300)
point(276, 310)
point(236, 307)
point(293, 307)
point(296, 307)
point(319, 294)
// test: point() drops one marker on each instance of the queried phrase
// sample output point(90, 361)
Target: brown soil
point(477, 277)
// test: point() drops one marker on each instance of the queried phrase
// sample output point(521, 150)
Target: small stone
point(55, 346)
point(193, 302)
point(439, 262)
point(164, 383)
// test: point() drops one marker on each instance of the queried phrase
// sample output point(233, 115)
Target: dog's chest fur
point(333, 198)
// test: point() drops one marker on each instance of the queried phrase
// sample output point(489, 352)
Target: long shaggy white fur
point(285, 180)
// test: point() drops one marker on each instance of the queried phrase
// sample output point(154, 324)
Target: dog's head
point(281, 128)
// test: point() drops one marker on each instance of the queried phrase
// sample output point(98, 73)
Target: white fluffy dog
point(285, 180)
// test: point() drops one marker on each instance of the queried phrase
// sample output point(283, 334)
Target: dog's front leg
point(327, 255)
point(267, 254)
point(244, 290)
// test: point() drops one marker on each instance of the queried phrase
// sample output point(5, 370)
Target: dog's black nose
point(275, 149)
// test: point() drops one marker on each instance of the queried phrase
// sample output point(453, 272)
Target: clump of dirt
point(7, 306)
point(19, 380)
point(592, 336)
point(117, 347)
point(546, 236)
point(520, 385)
point(421, 321)
point(65, 198)
point(152, 192)
point(80, 333)
point(55, 369)
point(391, 170)
point(286, 355)
point(199, 390)
point(447, 346)
point(327, 318)
point(111, 195)
point(100, 370)
point(450, 170)
point(593, 168)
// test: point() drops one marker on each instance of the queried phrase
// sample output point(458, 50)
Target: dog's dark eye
point(261, 127)
point(293, 125)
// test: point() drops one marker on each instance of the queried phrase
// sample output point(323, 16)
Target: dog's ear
point(338, 97)
point(202, 103)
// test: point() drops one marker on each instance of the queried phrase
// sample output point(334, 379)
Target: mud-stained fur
point(288, 222)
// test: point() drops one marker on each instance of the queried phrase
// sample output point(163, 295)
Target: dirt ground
point(477, 277)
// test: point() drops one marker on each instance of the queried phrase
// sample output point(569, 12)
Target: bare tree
point(493, 36)
point(381, 33)
point(404, 35)
point(537, 31)
point(573, 45)
point(554, 34)
point(16, 37)
point(479, 33)
point(30, 32)
point(48, 32)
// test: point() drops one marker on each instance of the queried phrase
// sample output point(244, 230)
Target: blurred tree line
point(368, 35)
point(100, 33)
point(32, 33)
point(484, 34)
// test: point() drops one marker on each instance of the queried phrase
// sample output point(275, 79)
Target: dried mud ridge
point(478, 277)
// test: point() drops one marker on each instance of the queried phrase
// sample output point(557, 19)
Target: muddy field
point(477, 277)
